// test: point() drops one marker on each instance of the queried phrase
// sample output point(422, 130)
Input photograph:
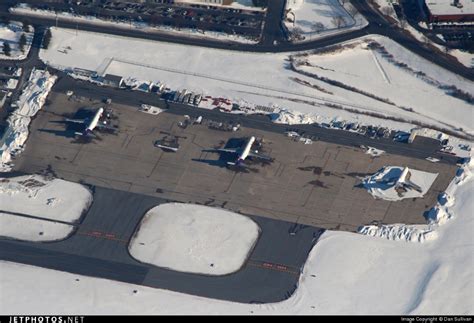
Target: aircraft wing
point(82, 121)
point(260, 156)
point(105, 127)
point(222, 150)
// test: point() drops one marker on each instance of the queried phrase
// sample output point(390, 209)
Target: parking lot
point(198, 17)
point(315, 184)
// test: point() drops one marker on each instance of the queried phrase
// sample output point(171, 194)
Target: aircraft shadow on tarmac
point(225, 157)
point(71, 129)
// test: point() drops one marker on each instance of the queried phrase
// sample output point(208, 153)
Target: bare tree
point(337, 21)
point(317, 27)
point(297, 33)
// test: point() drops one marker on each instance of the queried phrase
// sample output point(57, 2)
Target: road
point(99, 248)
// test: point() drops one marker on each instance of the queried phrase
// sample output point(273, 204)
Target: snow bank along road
point(100, 249)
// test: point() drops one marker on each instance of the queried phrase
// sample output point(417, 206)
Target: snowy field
point(194, 238)
point(48, 198)
point(67, 16)
point(223, 74)
point(346, 273)
point(381, 185)
point(30, 229)
point(30, 102)
point(11, 34)
point(312, 19)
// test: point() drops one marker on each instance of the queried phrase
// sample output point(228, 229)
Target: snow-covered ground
point(381, 185)
point(296, 97)
point(313, 19)
point(30, 229)
point(463, 57)
point(67, 16)
point(194, 238)
point(48, 198)
point(237, 4)
point(11, 34)
point(386, 8)
point(30, 102)
point(346, 273)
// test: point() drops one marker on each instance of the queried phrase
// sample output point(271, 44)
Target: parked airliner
point(242, 153)
point(92, 124)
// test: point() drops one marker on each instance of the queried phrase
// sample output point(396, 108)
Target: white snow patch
point(30, 102)
point(194, 238)
point(11, 84)
point(30, 229)
point(48, 198)
point(382, 185)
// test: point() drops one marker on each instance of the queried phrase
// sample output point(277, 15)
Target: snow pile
point(193, 238)
point(384, 184)
point(30, 102)
point(31, 229)
point(11, 84)
point(440, 213)
point(294, 117)
point(373, 151)
point(43, 197)
point(11, 34)
point(400, 232)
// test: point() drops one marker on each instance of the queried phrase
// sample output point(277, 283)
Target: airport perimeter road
point(99, 248)
point(420, 148)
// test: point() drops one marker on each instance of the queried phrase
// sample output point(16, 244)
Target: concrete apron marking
point(102, 235)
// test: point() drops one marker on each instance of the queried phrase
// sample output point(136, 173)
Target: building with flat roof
point(450, 10)
point(112, 80)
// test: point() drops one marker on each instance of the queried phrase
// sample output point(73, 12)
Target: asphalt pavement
point(420, 148)
point(99, 248)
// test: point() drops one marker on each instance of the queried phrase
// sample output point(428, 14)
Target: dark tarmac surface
point(99, 248)
point(317, 185)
